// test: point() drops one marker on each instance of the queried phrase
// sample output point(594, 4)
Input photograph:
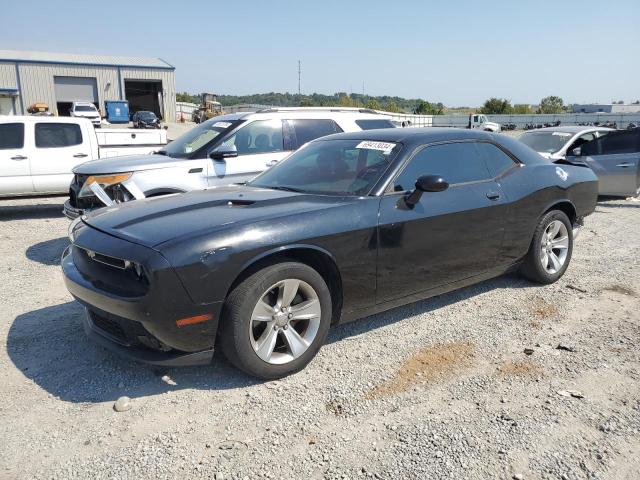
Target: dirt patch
point(621, 289)
point(543, 309)
point(520, 369)
point(426, 365)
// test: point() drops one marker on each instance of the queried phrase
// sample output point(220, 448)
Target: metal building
point(606, 108)
point(58, 79)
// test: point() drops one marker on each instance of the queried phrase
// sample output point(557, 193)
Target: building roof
point(24, 56)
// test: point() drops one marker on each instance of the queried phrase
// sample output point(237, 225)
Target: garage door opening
point(74, 89)
point(144, 95)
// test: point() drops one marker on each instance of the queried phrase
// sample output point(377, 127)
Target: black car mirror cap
point(426, 183)
point(224, 151)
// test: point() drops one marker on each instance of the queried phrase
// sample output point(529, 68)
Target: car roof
point(569, 129)
point(411, 135)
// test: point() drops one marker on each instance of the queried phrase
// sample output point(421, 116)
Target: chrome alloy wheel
point(554, 246)
point(285, 321)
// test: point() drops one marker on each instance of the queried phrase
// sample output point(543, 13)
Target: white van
point(85, 110)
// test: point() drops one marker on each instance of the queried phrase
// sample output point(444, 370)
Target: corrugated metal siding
point(168, 79)
point(36, 81)
point(8, 75)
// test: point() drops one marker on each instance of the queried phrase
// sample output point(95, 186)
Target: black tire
point(531, 267)
point(234, 338)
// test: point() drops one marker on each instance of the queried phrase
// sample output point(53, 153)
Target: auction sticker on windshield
point(561, 134)
point(222, 124)
point(384, 147)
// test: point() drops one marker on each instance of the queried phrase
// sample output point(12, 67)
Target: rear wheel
point(276, 320)
point(551, 248)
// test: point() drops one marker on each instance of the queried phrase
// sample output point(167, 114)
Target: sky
point(456, 52)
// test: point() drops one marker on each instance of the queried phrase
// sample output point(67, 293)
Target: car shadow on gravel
point(50, 348)
point(48, 252)
point(30, 212)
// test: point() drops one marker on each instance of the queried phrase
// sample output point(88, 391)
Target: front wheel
point(276, 320)
point(551, 248)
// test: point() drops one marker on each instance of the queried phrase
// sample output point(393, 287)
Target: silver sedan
point(614, 155)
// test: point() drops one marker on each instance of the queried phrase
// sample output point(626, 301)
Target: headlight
point(102, 180)
point(76, 224)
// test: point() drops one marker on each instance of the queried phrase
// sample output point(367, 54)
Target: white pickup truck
point(38, 153)
point(480, 121)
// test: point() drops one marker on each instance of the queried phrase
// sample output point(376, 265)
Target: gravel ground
point(501, 380)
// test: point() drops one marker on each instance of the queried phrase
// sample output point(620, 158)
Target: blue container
point(117, 111)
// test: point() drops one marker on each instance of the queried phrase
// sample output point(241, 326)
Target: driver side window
point(454, 162)
point(261, 136)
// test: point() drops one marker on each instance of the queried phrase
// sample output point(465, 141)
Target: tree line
point(495, 106)
point(339, 99)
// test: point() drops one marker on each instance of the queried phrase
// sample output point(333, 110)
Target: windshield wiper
point(161, 152)
point(286, 189)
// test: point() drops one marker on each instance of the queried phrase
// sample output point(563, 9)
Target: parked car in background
point(225, 149)
point(85, 110)
point(349, 225)
point(555, 142)
point(615, 159)
point(37, 154)
point(145, 119)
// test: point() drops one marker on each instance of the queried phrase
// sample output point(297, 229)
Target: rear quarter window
point(11, 136)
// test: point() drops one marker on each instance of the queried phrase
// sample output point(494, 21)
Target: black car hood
point(153, 221)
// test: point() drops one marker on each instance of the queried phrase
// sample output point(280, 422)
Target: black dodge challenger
point(350, 225)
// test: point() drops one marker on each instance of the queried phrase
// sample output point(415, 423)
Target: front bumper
point(140, 354)
point(72, 212)
point(134, 317)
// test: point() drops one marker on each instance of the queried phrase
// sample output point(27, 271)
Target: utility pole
point(299, 71)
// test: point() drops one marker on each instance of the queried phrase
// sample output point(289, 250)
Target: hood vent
point(240, 203)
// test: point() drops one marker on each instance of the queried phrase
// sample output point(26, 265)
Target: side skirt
point(432, 292)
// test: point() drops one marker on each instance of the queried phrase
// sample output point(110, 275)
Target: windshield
point(546, 142)
point(147, 115)
point(197, 137)
point(331, 167)
point(85, 108)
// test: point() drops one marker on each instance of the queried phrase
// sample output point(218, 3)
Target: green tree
point(183, 97)
point(427, 108)
point(347, 101)
point(496, 106)
point(551, 104)
point(391, 107)
point(306, 102)
point(522, 108)
point(373, 104)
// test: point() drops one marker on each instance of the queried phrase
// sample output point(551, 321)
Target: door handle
point(272, 163)
point(493, 195)
point(80, 155)
point(625, 165)
point(19, 157)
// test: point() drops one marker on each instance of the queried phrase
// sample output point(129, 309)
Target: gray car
point(614, 155)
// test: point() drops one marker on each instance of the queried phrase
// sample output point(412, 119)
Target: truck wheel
point(551, 248)
point(275, 321)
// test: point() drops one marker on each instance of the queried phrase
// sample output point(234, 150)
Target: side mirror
point(426, 183)
point(576, 152)
point(224, 151)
